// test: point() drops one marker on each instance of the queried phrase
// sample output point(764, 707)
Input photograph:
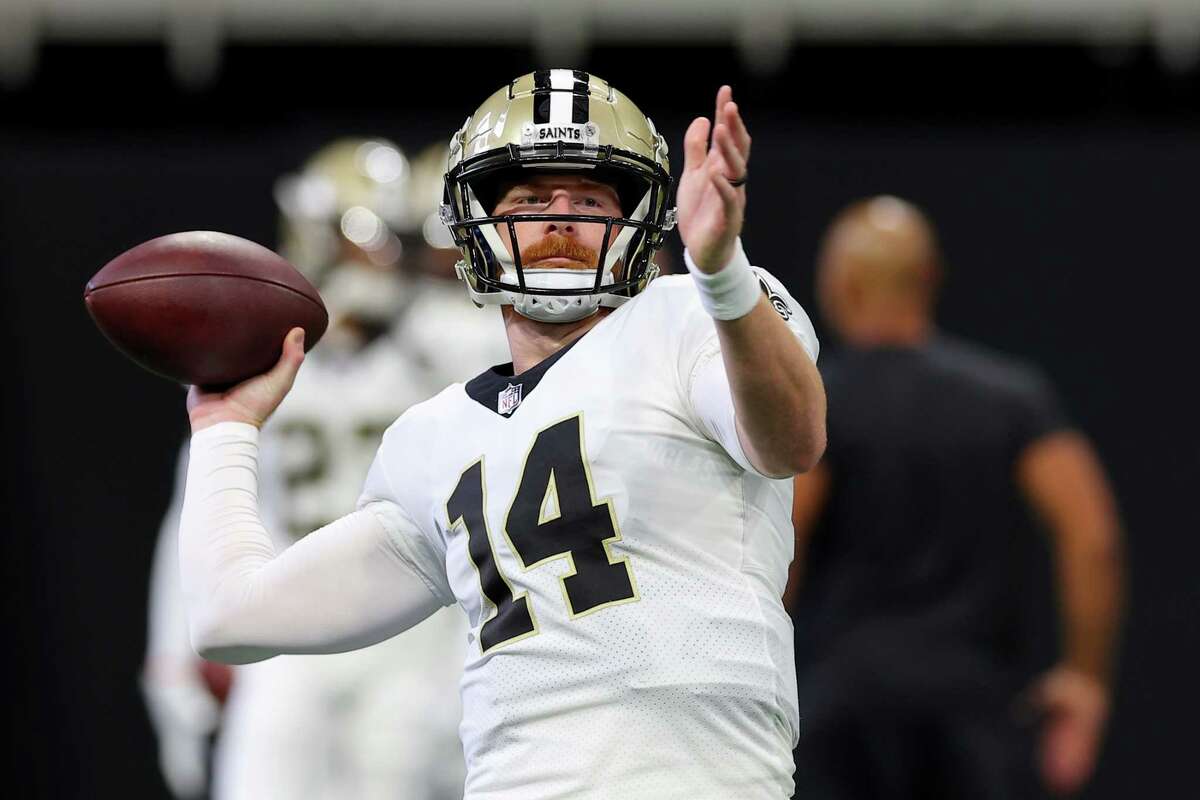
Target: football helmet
point(343, 216)
point(557, 120)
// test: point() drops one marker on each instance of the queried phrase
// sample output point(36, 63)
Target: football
point(202, 307)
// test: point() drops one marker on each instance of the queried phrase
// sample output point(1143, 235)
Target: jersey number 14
point(554, 514)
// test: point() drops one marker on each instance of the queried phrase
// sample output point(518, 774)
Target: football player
point(355, 219)
point(611, 509)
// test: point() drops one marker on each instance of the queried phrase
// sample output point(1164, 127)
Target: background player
point(906, 587)
point(361, 220)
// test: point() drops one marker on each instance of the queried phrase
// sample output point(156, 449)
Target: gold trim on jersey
point(551, 508)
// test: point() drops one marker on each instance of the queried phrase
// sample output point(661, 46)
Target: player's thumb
point(273, 385)
point(293, 346)
point(284, 371)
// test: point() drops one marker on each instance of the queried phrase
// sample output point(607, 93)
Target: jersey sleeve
point(425, 556)
point(790, 311)
point(702, 370)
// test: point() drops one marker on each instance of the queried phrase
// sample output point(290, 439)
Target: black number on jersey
point(513, 618)
point(555, 514)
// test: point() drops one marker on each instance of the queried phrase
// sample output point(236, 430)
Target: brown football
point(202, 307)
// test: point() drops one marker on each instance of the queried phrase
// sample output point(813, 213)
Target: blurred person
point(906, 585)
point(379, 722)
point(611, 509)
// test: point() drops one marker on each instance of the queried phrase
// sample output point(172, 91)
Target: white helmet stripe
point(562, 80)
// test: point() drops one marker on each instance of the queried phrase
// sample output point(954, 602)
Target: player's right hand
point(252, 400)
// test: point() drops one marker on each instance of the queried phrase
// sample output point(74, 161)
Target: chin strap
point(549, 308)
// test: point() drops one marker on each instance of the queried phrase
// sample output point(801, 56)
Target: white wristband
point(732, 292)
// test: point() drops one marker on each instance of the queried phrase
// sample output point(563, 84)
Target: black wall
point(1063, 182)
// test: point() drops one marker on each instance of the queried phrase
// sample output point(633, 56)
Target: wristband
point(731, 292)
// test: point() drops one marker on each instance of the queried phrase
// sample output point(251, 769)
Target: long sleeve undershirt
point(345, 586)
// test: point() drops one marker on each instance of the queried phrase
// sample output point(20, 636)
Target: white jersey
point(619, 559)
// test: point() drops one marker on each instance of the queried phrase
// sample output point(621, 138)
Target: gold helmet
point(349, 218)
point(558, 120)
point(354, 191)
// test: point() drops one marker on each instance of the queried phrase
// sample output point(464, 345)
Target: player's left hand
point(1075, 708)
point(710, 208)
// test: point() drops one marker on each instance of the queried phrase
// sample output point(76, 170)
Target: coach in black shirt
point(906, 587)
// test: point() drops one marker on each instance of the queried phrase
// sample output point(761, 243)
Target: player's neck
point(532, 342)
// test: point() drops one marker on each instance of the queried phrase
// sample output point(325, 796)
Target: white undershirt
point(345, 586)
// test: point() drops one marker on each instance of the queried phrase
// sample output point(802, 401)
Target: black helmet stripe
point(560, 96)
point(580, 103)
point(541, 97)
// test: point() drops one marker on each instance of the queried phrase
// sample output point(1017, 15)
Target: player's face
point(559, 244)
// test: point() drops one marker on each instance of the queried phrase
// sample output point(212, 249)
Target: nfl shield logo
point(510, 398)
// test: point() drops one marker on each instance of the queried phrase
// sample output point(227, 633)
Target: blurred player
point(611, 508)
point(361, 221)
point(906, 584)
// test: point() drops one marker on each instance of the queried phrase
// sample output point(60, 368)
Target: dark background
point(1063, 180)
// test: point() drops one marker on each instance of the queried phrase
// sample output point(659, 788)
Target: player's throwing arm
point(343, 587)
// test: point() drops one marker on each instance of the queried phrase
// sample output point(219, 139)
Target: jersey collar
point(501, 392)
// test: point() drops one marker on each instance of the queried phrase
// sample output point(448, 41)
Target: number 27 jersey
point(620, 561)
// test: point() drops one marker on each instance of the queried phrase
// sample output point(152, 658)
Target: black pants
point(889, 719)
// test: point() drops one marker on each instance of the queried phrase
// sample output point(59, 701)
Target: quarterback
point(611, 509)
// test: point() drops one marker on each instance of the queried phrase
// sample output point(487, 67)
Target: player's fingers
point(716, 161)
point(737, 127)
point(695, 143)
point(735, 163)
point(724, 95)
point(728, 194)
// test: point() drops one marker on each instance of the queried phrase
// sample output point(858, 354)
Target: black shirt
point(924, 533)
